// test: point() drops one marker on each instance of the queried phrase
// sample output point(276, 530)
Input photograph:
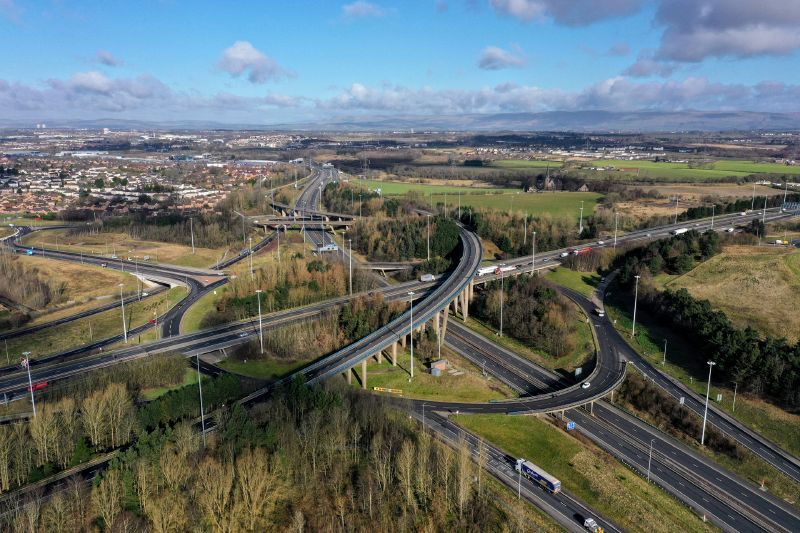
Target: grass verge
point(686, 365)
point(470, 386)
point(588, 472)
point(189, 378)
point(99, 326)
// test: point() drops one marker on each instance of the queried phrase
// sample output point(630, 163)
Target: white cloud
point(362, 9)
point(494, 58)
point(242, 57)
point(614, 94)
point(647, 65)
point(567, 12)
point(696, 30)
point(106, 58)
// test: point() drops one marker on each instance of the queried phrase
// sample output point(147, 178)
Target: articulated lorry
point(536, 474)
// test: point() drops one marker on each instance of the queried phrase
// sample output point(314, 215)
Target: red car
point(38, 386)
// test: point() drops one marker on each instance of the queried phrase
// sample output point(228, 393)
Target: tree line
point(533, 312)
point(405, 238)
point(294, 281)
point(768, 367)
point(75, 422)
point(310, 459)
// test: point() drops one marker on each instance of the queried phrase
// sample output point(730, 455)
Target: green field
point(582, 282)
point(523, 163)
point(267, 369)
point(586, 471)
point(189, 378)
point(710, 171)
point(471, 386)
point(556, 204)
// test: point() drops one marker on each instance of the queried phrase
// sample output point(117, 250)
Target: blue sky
point(268, 62)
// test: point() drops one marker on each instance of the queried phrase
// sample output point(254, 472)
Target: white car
point(586, 385)
point(601, 242)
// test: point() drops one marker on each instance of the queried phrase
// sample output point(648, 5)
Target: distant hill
point(579, 121)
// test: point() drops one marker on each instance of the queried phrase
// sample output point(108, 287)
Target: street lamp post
point(664, 360)
point(676, 208)
point(650, 459)
point(705, 412)
point(713, 209)
point(616, 226)
point(252, 274)
point(26, 362)
point(428, 217)
point(423, 417)
point(580, 225)
point(350, 243)
point(502, 290)
point(260, 328)
point(191, 229)
point(533, 253)
point(202, 411)
point(635, 302)
point(411, 332)
point(122, 305)
point(735, 387)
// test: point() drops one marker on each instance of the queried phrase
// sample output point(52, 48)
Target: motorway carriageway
point(732, 503)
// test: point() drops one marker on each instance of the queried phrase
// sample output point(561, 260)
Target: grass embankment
point(556, 204)
point(105, 244)
point(265, 258)
point(85, 286)
point(582, 282)
point(685, 364)
point(268, 368)
point(470, 386)
point(588, 472)
point(189, 378)
point(103, 325)
point(753, 286)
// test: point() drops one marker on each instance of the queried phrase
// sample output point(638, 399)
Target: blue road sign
point(570, 425)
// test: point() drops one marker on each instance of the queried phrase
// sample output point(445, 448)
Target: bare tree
point(55, 516)
point(256, 488)
point(214, 492)
point(405, 468)
point(107, 497)
point(6, 448)
point(464, 474)
point(483, 456)
point(93, 417)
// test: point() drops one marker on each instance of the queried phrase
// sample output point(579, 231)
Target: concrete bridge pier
point(379, 357)
point(403, 341)
point(349, 375)
point(394, 354)
point(444, 323)
point(364, 374)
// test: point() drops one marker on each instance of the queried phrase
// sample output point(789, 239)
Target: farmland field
point(759, 287)
point(713, 170)
point(557, 204)
point(524, 163)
